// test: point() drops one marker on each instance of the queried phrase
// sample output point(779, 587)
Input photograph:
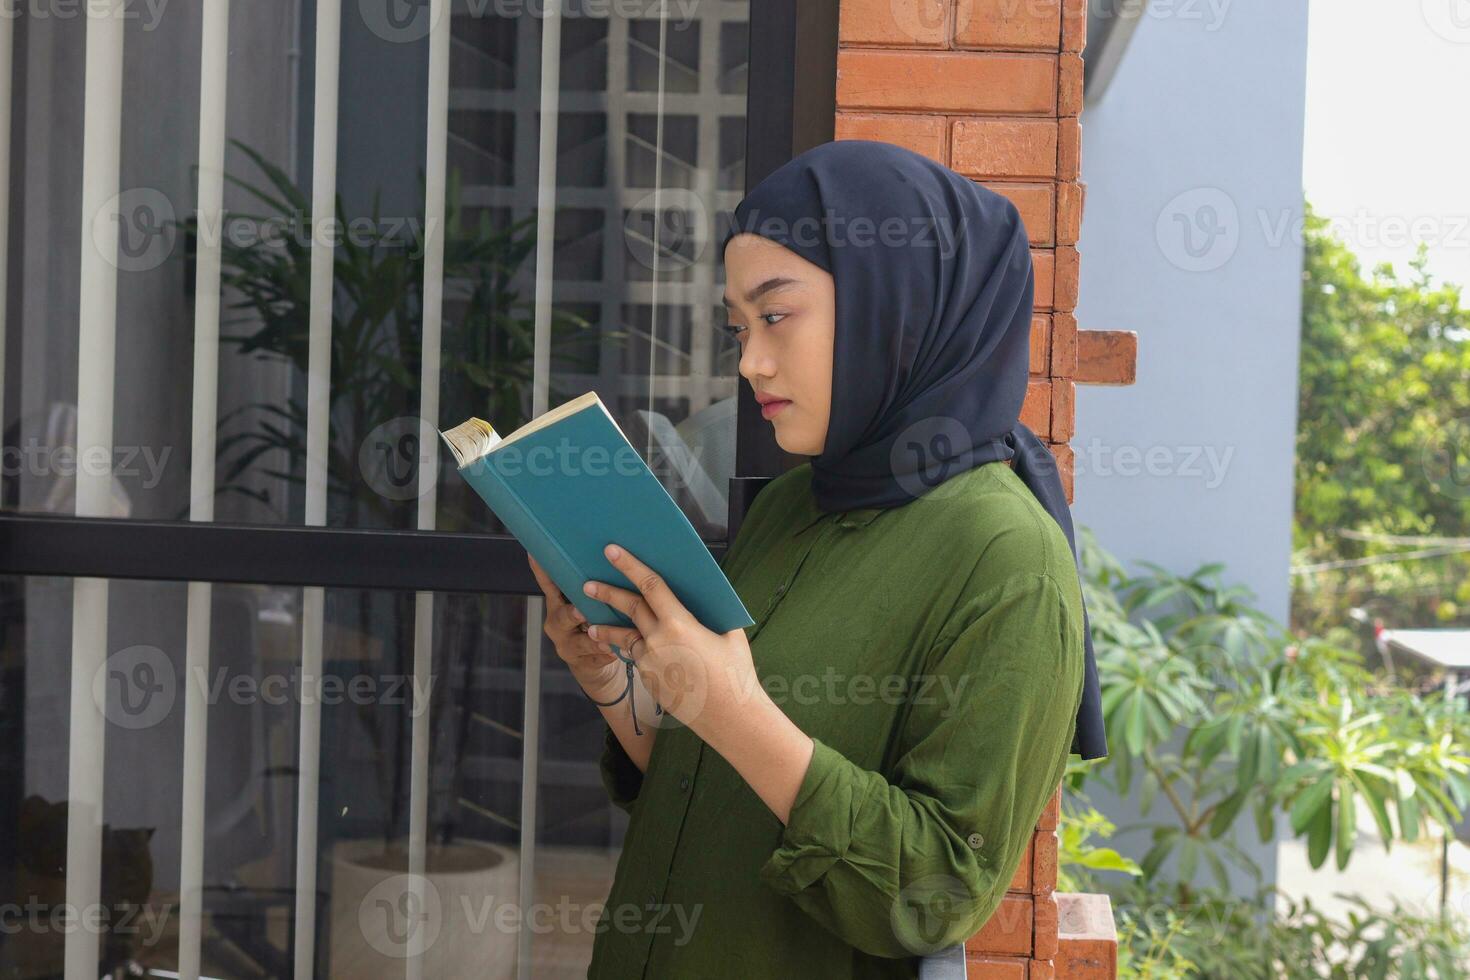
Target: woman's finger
point(554, 595)
point(655, 591)
point(568, 618)
point(562, 617)
point(622, 637)
point(630, 604)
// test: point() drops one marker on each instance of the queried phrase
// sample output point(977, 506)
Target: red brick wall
point(993, 89)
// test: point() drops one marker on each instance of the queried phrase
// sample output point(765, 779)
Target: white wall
point(1191, 237)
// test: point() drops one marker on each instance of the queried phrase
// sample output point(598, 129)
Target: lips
point(770, 408)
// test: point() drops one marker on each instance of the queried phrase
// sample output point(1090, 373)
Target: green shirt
point(934, 653)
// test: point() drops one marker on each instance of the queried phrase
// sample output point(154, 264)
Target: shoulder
point(992, 525)
point(975, 541)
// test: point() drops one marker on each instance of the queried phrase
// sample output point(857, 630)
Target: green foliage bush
point(1217, 710)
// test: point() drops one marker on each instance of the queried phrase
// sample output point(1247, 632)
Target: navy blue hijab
point(934, 285)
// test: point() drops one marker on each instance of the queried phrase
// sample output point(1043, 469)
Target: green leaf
point(1346, 825)
point(1319, 834)
point(1135, 732)
point(1227, 811)
point(1147, 790)
point(1248, 763)
point(1155, 857)
point(1265, 819)
point(1107, 859)
point(1306, 807)
point(1409, 817)
point(1188, 858)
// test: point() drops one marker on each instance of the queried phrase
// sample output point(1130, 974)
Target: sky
point(1387, 151)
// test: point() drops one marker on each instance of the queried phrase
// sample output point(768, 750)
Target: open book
point(567, 484)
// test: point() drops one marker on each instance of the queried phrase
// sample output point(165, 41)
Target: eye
point(734, 330)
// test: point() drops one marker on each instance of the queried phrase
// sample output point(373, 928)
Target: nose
point(756, 360)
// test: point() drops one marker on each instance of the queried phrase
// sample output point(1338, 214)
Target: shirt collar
point(809, 514)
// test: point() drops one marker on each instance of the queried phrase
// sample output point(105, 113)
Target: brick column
point(993, 89)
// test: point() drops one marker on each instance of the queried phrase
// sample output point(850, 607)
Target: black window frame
point(791, 106)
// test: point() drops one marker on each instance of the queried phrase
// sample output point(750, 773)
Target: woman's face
point(781, 309)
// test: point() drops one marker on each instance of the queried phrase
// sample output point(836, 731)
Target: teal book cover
point(567, 484)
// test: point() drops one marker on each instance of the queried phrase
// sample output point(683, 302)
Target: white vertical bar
point(437, 146)
point(84, 772)
point(318, 379)
point(214, 50)
point(540, 388)
point(433, 307)
point(7, 66)
point(418, 780)
point(96, 365)
point(702, 384)
point(658, 216)
point(313, 600)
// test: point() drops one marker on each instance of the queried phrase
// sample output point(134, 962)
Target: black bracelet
point(627, 693)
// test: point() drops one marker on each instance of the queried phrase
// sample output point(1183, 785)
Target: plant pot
point(454, 920)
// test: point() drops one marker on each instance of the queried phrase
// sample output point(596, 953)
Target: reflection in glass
point(650, 151)
point(252, 684)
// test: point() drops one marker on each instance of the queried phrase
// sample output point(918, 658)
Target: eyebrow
point(778, 282)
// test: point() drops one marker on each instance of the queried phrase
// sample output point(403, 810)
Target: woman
point(851, 782)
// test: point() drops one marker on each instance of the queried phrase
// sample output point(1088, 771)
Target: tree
point(1383, 442)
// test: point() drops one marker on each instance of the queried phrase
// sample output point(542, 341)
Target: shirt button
point(684, 784)
point(653, 898)
point(975, 840)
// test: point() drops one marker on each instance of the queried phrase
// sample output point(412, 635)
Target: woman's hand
point(700, 677)
point(592, 663)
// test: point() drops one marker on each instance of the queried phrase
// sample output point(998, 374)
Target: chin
point(797, 447)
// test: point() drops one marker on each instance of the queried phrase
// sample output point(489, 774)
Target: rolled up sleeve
point(908, 863)
point(620, 774)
